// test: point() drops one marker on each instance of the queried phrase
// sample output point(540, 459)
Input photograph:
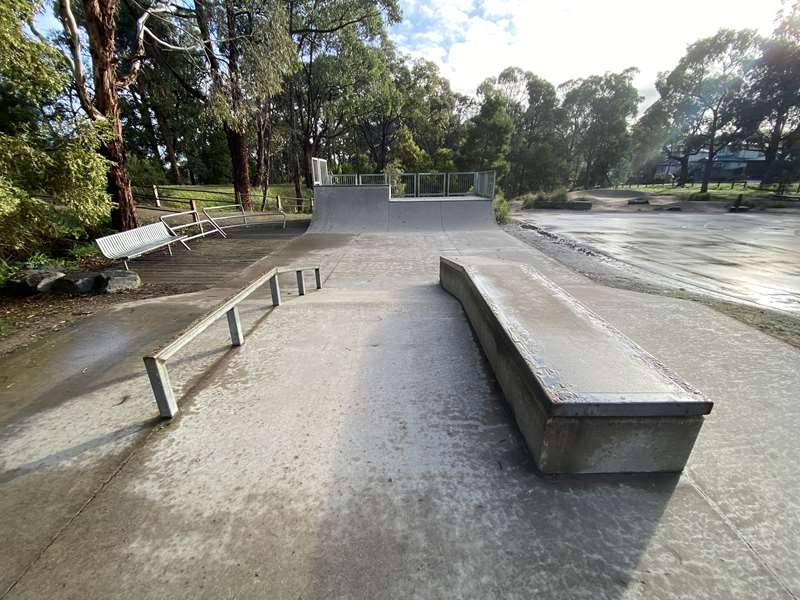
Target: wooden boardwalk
point(213, 259)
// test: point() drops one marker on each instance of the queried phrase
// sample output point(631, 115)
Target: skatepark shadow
point(449, 502)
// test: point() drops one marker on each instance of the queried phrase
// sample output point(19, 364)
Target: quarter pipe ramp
point(357, 209)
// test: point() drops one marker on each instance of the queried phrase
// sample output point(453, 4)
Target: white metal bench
point(136, 242)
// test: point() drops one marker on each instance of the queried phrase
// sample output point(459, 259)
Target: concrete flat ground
point(357, 446)
point(749, 257)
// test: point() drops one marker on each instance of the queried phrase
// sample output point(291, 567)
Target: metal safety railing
point(417, 185)
point(156, 363)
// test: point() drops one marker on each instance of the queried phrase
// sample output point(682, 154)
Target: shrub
point(559, 195)
point(145, 172)
point(501, 208)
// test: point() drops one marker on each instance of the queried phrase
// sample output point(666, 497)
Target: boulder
point(116, 280)
point(34, 281)
point(77, 283)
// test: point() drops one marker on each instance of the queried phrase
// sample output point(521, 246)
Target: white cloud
point(569, 38)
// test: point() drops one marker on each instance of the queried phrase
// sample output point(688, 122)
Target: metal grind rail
point(156, 363)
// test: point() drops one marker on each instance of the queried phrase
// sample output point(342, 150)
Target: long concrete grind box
point(586, 397)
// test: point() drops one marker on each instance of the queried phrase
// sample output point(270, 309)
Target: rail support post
point(235, 326)
point(162, 389)
point(275, 289)
point(318, 278)
point(301, 284)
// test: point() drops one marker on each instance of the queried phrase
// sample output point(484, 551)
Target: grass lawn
point(722, 191)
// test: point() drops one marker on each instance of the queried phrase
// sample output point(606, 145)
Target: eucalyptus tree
point(489, 133)
point(596, 113)
point(380, 109)
point(772, 92)
point(43, 148)
point(704, 90)
point(98, 93)
point(329, 38)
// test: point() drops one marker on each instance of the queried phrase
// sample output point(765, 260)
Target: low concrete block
point(586, 398)
point(568, 205)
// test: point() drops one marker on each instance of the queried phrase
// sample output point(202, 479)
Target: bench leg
point(162, 390)
point(301, 284)
point(169, 247)
point(235, 326)
point(275, 288)
point(318, 278)
point(125, 262)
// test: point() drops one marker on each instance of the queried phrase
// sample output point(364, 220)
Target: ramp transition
point(358, 209)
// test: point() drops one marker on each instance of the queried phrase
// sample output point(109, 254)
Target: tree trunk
point(147, 122)
point(308, 154)
point(169, 144)
point(298, 192)
point(710, 159)
point(683, 177)
point(260, 150)
point(237, 146)
point(100, 25)
point(771, 152)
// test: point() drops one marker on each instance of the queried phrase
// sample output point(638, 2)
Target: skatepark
point(453, 414)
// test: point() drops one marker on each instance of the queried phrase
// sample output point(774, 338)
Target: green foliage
point(145, 171)
point(52, 181)
point(444, 160)
point(501, 208)
point(596, 111)
point(559, 195)
point(488, 140)
point(703, 93)
point(413, 158)
point(31, 68)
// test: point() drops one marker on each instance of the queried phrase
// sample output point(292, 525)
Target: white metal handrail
point(156, 363)
point(195, 222)
point(405, 185)
point(241, 214)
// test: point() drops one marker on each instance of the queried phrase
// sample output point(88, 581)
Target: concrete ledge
point(586, 398)
point(563, 205)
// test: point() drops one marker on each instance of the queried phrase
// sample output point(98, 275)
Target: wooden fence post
point(155, 195)
point(195, 216)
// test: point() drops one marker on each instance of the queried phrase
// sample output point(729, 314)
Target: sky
point(559, 40)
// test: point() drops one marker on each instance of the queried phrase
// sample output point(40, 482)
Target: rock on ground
point(116, 280)
point(35, 281)
point(81, 282)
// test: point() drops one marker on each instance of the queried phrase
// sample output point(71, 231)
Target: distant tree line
point(247, 91)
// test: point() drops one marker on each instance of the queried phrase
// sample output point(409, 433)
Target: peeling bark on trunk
point(100, 27)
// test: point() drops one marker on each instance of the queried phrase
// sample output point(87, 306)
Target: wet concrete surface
point(750, 257)
point(74, 406)
point(357, 446)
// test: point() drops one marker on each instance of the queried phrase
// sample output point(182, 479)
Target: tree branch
point(139, 55)
point(73, 35)
point(333, 29)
